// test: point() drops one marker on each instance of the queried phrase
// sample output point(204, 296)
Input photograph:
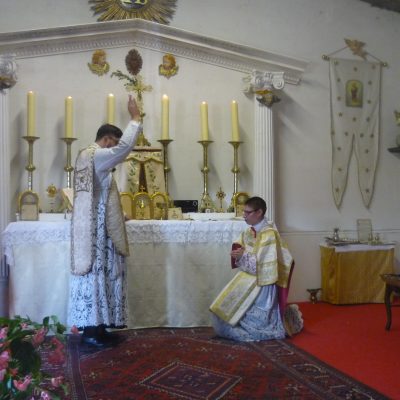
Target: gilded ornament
point(160, 11)
point(8, 68)
point(99, 64)
point(220, 195)
point(51, 191)
point(168, 67)
point(267, 97)
point(357, 48)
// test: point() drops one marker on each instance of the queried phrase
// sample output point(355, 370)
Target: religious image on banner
point(355, 103)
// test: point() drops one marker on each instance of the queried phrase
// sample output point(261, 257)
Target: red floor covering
point(353, 339)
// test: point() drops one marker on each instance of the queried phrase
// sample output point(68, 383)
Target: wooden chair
point(392, 287)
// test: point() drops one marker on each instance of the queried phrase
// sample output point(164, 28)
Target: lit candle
point(235, 121)
point(68, 117)
point(31, 114)
point(111, 109)
point(165, 117)
point(204, 120)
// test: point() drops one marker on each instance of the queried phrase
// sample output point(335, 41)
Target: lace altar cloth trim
point(142, 232)
point(184, 231)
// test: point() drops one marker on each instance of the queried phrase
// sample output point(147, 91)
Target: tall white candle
point(165, 117)
point(204, 120)
point(111, 109)
point(68, 117)
point(31, 125)
point(235, 121)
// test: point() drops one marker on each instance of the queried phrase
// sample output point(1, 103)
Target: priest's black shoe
point(106, 336)
point(94, 341)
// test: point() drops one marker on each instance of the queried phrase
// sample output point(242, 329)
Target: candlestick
point(235, 121)
point(235, 169)
point(204, 120)
point(31, 125)
point(30, 167)
point(111, 109)
point(165, 117)
point(165, 143)
point(68, 117)
point(206, 203)
point(68, 166)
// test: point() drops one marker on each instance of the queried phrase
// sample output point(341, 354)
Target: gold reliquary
point(28, 206)
point(142, 205)
point(239, 200)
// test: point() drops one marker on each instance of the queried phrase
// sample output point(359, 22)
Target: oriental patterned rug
point(191, 363)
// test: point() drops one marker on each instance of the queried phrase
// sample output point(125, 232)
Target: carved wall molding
point(149, 35)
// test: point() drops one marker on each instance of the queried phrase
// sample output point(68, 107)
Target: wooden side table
point(392, 286)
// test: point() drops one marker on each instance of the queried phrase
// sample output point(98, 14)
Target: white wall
point(299, 28)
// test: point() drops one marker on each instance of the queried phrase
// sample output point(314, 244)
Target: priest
point(98, 236)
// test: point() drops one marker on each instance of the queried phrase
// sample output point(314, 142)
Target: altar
point(175, 268)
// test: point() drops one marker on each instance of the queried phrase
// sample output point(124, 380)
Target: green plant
point(21, 343)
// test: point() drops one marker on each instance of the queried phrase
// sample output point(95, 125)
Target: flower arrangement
point(21, 341)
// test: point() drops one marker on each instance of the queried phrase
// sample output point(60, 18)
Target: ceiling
point(392, 5)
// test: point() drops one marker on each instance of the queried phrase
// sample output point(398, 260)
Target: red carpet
point(193, 364)
point(353, 339)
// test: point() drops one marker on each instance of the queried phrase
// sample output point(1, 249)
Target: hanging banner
point(355, 103)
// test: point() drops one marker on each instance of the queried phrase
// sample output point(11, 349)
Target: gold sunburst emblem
point(160, 11)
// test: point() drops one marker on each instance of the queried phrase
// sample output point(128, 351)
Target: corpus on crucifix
point(134, 83)
point(142, 170)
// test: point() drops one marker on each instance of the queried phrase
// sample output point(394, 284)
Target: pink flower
point(56, 382)
point(24, 325)
point(4, 358)
point(74, 330)
point(22, 385)
point(2, 374)
point(3, 332)
point(38, 337)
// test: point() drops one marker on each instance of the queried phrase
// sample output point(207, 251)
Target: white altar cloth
point(175, 269)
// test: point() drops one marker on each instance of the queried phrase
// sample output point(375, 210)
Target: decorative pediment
point(153, 36)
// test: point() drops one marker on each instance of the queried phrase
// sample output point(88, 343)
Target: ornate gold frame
point(160, 11)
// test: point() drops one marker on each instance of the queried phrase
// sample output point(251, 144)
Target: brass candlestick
point(206, 203)
point(68, 166)
point(30, 167)
point(165, 143)
point(235, 169)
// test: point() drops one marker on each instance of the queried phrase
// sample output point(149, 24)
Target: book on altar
point(236, 298)
point(68, 196)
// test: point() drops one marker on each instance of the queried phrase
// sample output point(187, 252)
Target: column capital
point(263, 85)
point(8, 71)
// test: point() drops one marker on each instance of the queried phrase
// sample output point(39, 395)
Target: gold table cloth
point(351, 274)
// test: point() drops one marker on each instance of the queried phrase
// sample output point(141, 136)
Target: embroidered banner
point(355, 102)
